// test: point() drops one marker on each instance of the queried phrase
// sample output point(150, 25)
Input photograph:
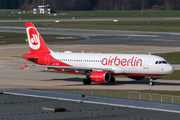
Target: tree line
point(67, 5)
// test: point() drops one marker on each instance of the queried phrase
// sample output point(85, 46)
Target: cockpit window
point(164, 62)
point(161, 62)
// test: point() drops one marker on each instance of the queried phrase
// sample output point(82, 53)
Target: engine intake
point(100, 76)
point(136, 77)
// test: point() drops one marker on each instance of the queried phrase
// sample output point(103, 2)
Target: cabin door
point(146, 63)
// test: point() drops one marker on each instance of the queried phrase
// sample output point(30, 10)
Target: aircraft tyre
point(112, 79)
point(87, 81)
point(151, 83)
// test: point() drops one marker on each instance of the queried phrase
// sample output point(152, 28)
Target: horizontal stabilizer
point(31, 57)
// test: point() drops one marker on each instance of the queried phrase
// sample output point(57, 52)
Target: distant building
point(42, 9)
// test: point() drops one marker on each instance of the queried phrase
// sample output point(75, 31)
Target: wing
point(77, 68)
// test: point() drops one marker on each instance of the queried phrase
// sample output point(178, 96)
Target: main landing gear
point(112, 80)
point(87, 81)
point(151, 83)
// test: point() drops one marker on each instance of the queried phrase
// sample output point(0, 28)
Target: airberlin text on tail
point(36, 43)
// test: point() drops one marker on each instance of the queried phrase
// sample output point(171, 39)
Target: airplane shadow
point(135, 82)
point(145, 82)
point(76, 79)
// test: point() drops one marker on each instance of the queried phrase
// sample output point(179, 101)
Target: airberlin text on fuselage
point(123, 62)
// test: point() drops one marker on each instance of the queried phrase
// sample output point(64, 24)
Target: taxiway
point(109, 37)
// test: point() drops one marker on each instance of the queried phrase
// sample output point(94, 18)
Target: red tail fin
point(36, 43)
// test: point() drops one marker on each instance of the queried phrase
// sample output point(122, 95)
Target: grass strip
point(13, 14)
point(148, 95)
point(7, 35)
point(171, 57)
point(166, 26)
point(16, 36)
point(164, 92)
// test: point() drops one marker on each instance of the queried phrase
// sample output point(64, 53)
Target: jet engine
point(100, 76)
point(136, 77)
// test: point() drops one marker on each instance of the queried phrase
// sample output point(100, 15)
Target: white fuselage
point(136, 64)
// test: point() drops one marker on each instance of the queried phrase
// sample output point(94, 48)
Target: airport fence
point(131, 95)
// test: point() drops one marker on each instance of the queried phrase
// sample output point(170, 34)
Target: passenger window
point(156, 62)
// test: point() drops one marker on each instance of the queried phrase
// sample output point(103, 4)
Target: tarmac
point(15, 107)
point(108, 37)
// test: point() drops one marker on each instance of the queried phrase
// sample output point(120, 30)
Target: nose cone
point(170, 69)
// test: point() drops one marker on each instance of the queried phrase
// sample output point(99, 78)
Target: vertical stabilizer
point(36, 43)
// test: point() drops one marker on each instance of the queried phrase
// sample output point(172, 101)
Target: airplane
point(98, 67)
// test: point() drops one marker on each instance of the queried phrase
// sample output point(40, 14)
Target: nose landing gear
point(151, 83)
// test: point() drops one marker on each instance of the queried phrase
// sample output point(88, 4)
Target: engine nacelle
point(136, 77)
point(100, 76)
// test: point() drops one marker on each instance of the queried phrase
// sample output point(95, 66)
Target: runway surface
point(94, 99)
point(109, 37)
point(15, 107)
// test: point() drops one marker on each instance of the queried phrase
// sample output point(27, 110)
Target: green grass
point(24, 35)
point(121, 14)
point(18, 35)
point(12, 35)
point(172, 57)
point(173, 76)
point(8, 15)
point(164, 92)
point(115, 93)
point(148, 95)
point(166, 26)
